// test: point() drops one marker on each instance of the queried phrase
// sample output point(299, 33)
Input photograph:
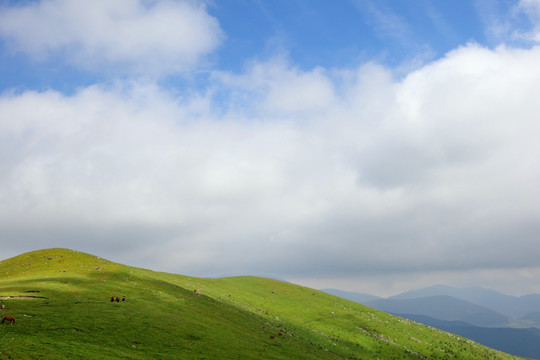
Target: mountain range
point(510, 306)
point(508, 323)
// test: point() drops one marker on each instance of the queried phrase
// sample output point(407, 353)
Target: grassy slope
point(230, 318)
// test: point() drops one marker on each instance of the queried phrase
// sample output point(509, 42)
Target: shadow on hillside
point(92, 286)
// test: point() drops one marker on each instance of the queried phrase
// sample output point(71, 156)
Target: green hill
point(61, 301)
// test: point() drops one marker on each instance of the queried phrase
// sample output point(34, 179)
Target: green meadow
point(61, 302)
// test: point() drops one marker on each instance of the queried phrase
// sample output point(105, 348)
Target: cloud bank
point(368, 174)
point(308, 174)
point(133, 36)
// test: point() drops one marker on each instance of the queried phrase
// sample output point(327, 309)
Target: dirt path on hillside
point(22, 297)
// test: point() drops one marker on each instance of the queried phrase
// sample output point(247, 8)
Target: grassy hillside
point(61, 301)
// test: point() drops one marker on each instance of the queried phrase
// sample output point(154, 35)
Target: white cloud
point(532, 9)
point(516, 22)
point(386, 21)
point(434, 173)
point(302, 91)
point(144, 37)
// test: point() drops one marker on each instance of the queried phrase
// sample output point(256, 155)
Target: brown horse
point(9, 319)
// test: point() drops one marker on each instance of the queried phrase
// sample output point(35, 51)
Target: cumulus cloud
point(368, 175)
point(135, 36)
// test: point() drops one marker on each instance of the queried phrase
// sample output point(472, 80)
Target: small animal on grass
point(112, 298)
point(9, 319)
point(118, 299)
point(124, 298)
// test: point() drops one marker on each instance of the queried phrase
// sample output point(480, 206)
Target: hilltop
point(61, 301)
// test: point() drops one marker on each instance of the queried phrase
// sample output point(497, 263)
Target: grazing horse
point(9, 319)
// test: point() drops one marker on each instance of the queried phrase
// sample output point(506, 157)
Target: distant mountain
point(532, 319)
point(520, 342)
point(534, 316)
point(503, 322)
point(510, 306)
point(443, 307)
point(353, 296)
point(527, 304)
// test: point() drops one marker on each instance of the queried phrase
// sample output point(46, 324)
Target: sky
point(374, 146)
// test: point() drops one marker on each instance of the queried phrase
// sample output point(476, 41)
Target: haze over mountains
point(443, 307)
point(511, 306)
point(508, 323)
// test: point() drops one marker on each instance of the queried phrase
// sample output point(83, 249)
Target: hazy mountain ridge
point(508, 323)
point(443, 307)
point(514, 308)
point(510, 306)
point(353, 296)
point(532, 318)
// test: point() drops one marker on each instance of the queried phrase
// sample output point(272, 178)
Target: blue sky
point(315, 33)
point(372, 146)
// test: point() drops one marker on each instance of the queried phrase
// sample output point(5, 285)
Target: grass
point(169, 316)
